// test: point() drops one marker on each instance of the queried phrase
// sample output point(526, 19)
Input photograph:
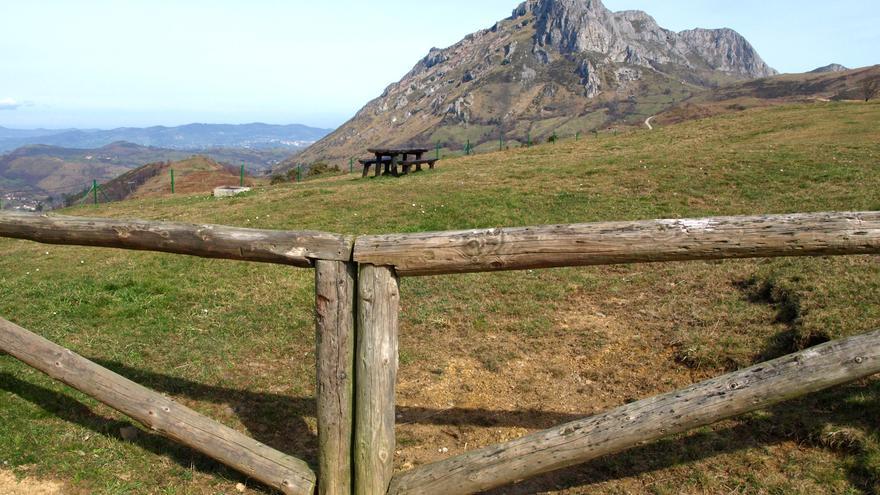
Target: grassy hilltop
point(487, 357)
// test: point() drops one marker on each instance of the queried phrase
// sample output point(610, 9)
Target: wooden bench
point(407, 164)
point(369, 163)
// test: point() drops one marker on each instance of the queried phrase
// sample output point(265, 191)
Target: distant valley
point(41, 174)
point(38, 167)
point(188, 137)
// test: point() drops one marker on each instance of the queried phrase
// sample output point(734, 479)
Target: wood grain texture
point(580, 441)
point(335, 284)
point(814, 234)
point(208, 241)
point(375, 379)
point(159, 413)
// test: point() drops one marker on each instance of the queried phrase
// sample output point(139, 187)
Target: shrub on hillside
point(322, 168)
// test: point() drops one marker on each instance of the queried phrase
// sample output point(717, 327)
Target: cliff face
point(562, 66)
point(574, 27)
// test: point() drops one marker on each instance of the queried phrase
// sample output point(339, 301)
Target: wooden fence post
point(335, 326)
point(375, 378)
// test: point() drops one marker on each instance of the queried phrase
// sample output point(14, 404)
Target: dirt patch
point(593, 360)
point(10, 485)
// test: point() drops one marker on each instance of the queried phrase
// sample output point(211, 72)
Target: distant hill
point(786, 88)
point(41, 171)
point(28, 133)
point(829, 68)
point(187, 137)
point(552, 66)
point(193, 175)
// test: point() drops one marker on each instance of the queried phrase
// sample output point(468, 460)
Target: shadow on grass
point(809, 421)
point(73, 411)
point(279, 421)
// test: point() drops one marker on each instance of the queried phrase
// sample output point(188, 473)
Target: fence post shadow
point(802, 421)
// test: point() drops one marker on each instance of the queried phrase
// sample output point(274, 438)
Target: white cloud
point(9, 104)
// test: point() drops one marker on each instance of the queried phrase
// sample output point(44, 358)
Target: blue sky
point(102, 63)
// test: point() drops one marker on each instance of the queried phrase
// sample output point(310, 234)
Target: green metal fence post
point(95, 191)
point(172, 181)
point(437, 150)
point(351, 165)
point(529, 139)
point(241, 180)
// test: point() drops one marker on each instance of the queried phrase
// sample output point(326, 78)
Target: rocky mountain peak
point(551, 62)
point(544, 6)
point(573, 27)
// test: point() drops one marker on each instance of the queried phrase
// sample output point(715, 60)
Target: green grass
point(235, 340)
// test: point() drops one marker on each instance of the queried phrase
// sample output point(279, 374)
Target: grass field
point(487, 357)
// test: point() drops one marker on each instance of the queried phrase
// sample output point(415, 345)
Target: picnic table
point(387, 160)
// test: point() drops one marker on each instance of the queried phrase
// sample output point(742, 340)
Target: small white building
point(229, 191)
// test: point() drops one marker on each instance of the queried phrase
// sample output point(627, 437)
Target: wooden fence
point(356, 306)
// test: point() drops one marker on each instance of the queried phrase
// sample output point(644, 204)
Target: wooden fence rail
point(160, 414)
point(357, 306)
point(208, 241)
point(604, 243)
point(608, 243)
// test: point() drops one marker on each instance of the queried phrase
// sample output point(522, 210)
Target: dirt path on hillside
point(9, 485)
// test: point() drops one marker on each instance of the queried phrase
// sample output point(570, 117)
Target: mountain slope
point(787, 88)
point(6, 133)
point(553, 66)
point(187, 137)
point(198, 174)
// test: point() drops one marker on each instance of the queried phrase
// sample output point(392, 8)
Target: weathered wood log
point(159, 413)
point(208, 241)
point(711, 401)
point(375, 379)
point(815, 234)
point(335, 321)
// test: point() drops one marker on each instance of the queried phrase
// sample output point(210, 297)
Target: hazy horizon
point(158, 125)
point(105, 65)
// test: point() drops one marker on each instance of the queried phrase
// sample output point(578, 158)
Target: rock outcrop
point(829, 68)
point(634, 37)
